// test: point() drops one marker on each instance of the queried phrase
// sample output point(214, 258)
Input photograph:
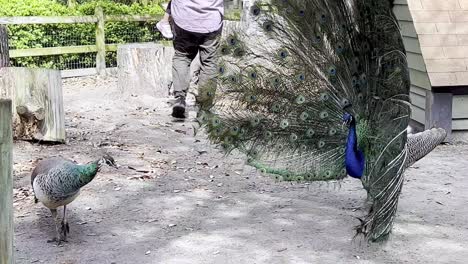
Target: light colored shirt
point(200, 16)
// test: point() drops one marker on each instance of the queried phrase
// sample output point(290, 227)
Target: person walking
point(197, 26)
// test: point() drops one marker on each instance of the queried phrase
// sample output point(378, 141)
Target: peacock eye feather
point(268, 26)
point(283, 54)
point(232, 41)
point(268, 134)
point(301, 13)
point(304, 116)
point(239, 52)
point(324, 97)
point(321, 144)
point(345, 102)
point(255, 122)
point(252, 98)
point(253, 75)
point(317, 39)
point(300, 99)
point(301, 77)
point(332, 70)
point(216, 122)
point(221, 70)
point(332, 132)
point(323, 18)
point(323, 114)
point(284, 123)
point(276, 108)
point(340, 48)
point(310, 133)
point(293, 137)
point(234, 131)
point(275, 82)
point(255, 10)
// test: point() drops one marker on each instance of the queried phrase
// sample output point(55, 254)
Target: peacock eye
point(323, 114)
point(268, 26)
point(301, 12)
point(293, 137)
point(232, 41)
point(332, 70)
point(283, 54)
point(239, 52)
point(255, 10)
point(324, 97)
point(301, 77)
point(323, 18)
point(340, 48)
point(221, 70)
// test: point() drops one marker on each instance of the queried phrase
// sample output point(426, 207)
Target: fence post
point(4, 49)
point(100, 42)
point(6, 183)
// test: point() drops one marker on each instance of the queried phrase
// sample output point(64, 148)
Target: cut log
point(6, 184)
point(38, 112)
point(144, 69)
point(4, 50)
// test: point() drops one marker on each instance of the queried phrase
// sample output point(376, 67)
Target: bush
point(57, 35)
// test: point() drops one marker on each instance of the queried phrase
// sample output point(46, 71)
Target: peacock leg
point(65, 228)
point(56, 220)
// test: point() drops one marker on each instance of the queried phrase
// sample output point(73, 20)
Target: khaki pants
point(187, 45)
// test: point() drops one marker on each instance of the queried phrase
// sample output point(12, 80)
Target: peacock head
point(108, 160)
point(348, 119)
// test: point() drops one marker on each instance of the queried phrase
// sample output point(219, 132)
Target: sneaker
point(165, 28)
point(178, 108)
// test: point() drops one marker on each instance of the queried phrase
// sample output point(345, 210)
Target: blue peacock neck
point(354, 157)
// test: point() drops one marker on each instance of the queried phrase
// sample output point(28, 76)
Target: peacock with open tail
point(320, 92)
point(57, 182)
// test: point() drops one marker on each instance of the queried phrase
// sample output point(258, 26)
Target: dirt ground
point(183, 201)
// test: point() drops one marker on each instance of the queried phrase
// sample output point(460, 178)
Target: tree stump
point(144, 69)
point(6, 184)
point(4, 49)
point(37, 101)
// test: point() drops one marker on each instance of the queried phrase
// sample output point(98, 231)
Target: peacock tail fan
point(281, 93)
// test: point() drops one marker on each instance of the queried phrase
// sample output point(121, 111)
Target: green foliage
point(56, 35)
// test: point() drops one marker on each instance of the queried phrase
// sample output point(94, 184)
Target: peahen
point(57, 182)
point(319, 92)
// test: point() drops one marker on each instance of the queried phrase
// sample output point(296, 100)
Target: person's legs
point(185, 45)
point(208, 68)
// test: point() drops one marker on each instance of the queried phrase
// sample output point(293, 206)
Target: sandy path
point(195, 206)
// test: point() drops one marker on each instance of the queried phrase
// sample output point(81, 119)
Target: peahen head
point(106, 159)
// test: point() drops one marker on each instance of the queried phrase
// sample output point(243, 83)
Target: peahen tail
point(421, 144)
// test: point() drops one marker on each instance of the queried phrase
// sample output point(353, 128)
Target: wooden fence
point(6, 183)
point(100, 48)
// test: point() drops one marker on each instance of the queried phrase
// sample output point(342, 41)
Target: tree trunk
point(144, 70)
point(37, 103)
point(4, 50)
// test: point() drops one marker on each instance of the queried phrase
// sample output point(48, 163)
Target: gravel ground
point(185, 202)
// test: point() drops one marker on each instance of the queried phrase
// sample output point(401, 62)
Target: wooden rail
point(100, 47)
point(6, 183)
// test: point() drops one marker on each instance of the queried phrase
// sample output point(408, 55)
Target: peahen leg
point(56, 220)
point(65, 228)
